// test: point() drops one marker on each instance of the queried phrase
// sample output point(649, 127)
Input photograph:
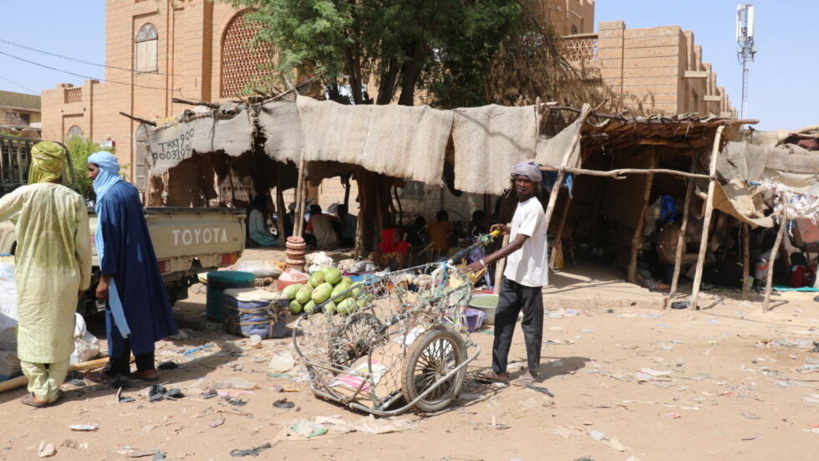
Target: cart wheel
point(355, 339)
point(431, 357)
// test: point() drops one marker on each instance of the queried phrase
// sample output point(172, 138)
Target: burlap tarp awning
point(170, 145)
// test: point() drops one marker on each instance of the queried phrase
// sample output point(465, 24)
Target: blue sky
point(782, 93)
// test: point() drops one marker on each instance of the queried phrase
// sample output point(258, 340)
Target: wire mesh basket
point(396, 337)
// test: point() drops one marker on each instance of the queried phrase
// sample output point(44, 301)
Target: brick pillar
point(610, 42)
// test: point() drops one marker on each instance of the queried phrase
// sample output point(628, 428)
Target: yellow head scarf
point(47, 162)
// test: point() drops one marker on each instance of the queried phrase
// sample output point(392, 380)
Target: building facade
point(198, 50)
point(19, 109)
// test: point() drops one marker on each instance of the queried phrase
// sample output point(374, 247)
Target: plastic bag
point(316, 261)
point(259, 268)
point(86, 345)
point(9, 364)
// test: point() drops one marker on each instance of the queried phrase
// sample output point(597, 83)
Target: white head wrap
point(529, 169)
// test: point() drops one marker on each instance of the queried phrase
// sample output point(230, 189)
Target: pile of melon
point(327, 289)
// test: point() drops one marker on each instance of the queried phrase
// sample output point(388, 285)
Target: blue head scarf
point(107, 177)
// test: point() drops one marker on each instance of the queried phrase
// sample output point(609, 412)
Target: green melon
point(322, 293)
point(290, 291)
point(330, 308)
point(333, 276)
point(304, 294)
point(309, 307)
point(316, 278)
point(295, 307)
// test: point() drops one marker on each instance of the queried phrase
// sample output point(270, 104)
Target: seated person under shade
point(321, 227)
point(393, 251)
point(257, 224)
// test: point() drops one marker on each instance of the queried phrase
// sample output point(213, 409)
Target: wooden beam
point(664, 143)
point(140, 120)
point(617, 174)
point(709, 210)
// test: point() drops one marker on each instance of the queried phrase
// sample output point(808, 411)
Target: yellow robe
point(53, 262)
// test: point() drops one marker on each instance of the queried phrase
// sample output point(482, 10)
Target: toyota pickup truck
point(187, 241)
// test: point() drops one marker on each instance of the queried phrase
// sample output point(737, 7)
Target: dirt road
point(630, 382)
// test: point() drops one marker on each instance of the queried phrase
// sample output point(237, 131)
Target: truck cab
point(186, 241)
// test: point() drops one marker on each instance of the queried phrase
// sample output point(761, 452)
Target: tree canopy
point(459, 52)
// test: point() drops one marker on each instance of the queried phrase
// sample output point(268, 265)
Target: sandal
point(100, 377)
point(28, 399)
point(491, 377)
point(524, 380)
point(137, 375)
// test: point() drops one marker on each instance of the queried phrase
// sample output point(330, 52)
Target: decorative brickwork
point(243, 64)
point(73, 95)
point(580, 48)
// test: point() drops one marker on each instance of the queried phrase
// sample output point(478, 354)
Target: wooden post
point(746, 259)
point(282, 213)
point(637, 237)
point(772, 261)
point(298, 224)
point(550, 208)
point(681, 238)
point(709, 209)
point(558, 243)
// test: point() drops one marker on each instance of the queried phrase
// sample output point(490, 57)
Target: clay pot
point(291, 277)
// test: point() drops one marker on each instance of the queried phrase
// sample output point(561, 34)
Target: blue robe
point(130, 259)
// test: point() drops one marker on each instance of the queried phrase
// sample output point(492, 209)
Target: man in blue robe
point(137, 310)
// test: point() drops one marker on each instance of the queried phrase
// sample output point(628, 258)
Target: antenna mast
point(747, 48)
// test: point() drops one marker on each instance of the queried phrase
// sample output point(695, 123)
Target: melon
point(295, 307)
point(304, 294)
point(322, 293)
point(330, 308)
point(316, 278)
point(290, 291)
point(309, 307)
point(332, 276)
point(345, 306)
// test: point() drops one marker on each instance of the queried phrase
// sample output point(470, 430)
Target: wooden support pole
point(637, 237)
point(772, 260)
point(282, 213)
point(681, 238)
point(746, 259)
point(709, 210)
point(550, 208)
point(298, 224)
point(558, 243)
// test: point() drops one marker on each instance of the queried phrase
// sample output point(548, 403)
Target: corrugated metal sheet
point(12, 100)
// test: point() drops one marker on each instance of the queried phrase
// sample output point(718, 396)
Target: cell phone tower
point(746, 47)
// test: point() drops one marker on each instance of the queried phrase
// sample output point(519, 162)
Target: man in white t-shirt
point(524, 277)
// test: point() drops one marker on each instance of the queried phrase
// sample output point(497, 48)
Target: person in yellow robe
point(52, 269)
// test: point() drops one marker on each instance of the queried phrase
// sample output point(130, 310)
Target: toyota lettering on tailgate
point(199, 236)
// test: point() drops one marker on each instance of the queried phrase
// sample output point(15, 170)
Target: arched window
point(244, 66)
point(145, 49)
point(74, 131)
point(141, 159)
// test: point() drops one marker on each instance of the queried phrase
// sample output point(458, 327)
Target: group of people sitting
point(323, 231)
point(399, 244)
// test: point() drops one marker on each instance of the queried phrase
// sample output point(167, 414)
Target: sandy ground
point(630, 380)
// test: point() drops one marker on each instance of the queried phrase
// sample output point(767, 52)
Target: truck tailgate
point(181, 235)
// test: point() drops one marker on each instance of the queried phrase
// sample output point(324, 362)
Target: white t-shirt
point(528, 266)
